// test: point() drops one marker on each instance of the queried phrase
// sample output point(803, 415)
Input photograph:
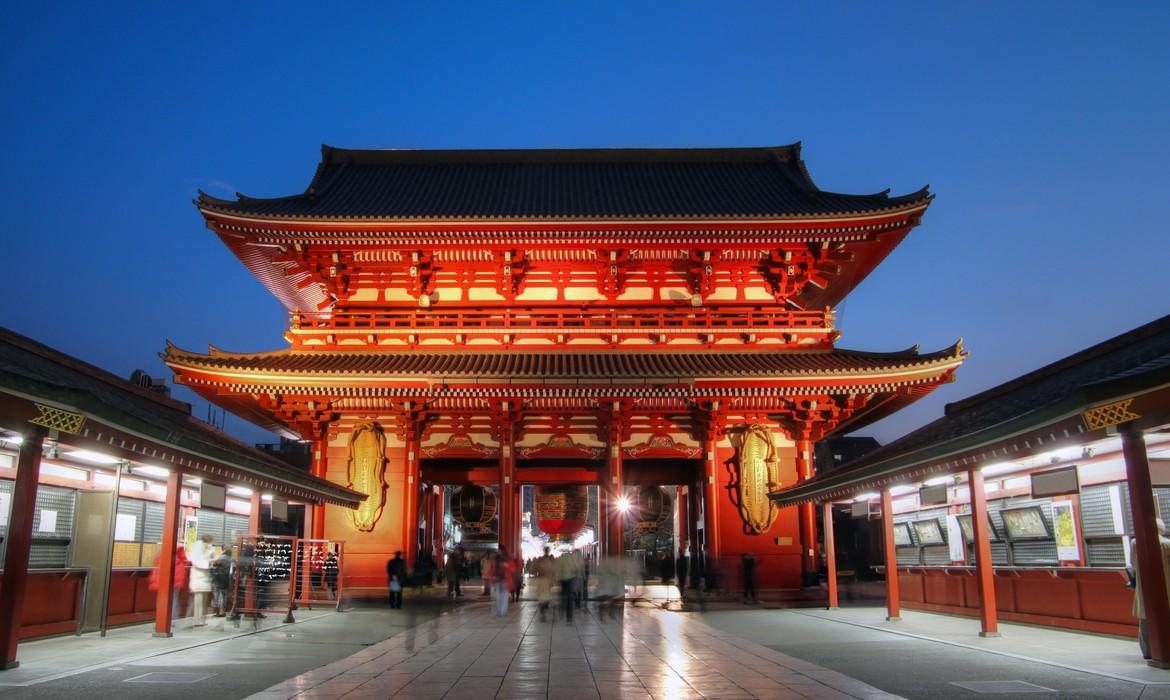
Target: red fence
point(1093, 600)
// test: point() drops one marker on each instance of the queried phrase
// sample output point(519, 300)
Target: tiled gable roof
point(561, 184)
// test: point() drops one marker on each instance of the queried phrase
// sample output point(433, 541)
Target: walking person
point(749, 578)
point(567, 571)
point(487, 566)
point(396, 579)
point(181, 573)
point(542, 570)
point(221, 580)
point(454, 573)
point(331, 568)
point(200, 581)
point(681, 569)
point(517, 578)
point(501, 582)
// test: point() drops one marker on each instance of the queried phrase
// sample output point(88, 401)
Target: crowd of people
point(215, 579)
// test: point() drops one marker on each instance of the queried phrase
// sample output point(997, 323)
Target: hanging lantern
point(561, 511)
point(650, 507)
point(473, 507)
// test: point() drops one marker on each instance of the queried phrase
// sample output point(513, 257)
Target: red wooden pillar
point(830, 556)
point(507, 502)
point(893, 601)
point(695, 509)
point(711, 507)
point(517, 516)
point(319, 469)
point(682, 529)
point(20, 531)
point(806, 516)
point(254, 512)
point(166, 555)
point(616, 535)
point(603, 516)
point(410, 504)
point(1147, 548)
point(984, 572)
point(438, 534)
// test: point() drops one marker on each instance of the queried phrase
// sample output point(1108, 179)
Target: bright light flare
point(94, 457)
point(623, 504)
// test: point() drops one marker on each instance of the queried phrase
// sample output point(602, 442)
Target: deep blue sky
point(1041, 126)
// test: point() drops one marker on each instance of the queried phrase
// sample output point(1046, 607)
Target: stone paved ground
point(639, 653)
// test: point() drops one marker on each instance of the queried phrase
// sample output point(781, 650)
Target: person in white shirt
point(201, 556)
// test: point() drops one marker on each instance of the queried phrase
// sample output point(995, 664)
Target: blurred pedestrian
point(568, 569)
point(396, 579)
point(501, 581)
point(332, 566)
point(221, 580)
point(749, 578)
point(543, 570)
point(200, 582)
point(454, 573)
point(181, 572)
point(681, 570)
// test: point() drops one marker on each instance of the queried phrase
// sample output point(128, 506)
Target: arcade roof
point(1131, 363)
point(561, 184)
point(34, 373)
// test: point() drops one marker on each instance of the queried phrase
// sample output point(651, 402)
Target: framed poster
point(1065, 527)
point(1026, 523)
point(969, 529)
point(902, 535)
point(929, 532)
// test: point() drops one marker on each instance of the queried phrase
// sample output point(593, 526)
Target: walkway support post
point(984, 571)
point(893, 600)
point(166, 556)
point(830, 556)
point(20, 531)
point(1147, 547)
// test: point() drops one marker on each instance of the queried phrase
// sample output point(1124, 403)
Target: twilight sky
point(1042, 127)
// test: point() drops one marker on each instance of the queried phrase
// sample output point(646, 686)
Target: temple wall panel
point(757, 293)
point(364, 294)
point(483, 294)
point(397, 294)
point(582, 294)
point(366, 553)
point(777, 565)
point(533, 293)
point(637, 294)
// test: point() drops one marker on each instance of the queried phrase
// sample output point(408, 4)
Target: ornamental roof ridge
point(608, 184)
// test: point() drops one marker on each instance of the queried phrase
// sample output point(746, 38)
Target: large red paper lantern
point(650, 508)
point(561, 511)
point(473, 507)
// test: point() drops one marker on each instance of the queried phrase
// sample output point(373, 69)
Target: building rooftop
point(561, 184)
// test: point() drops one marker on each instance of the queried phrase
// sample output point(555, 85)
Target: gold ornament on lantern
point(367, 473)
point(759, 474)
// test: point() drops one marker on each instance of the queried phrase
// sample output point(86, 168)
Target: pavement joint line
point(961, 645)
point(151, 655)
